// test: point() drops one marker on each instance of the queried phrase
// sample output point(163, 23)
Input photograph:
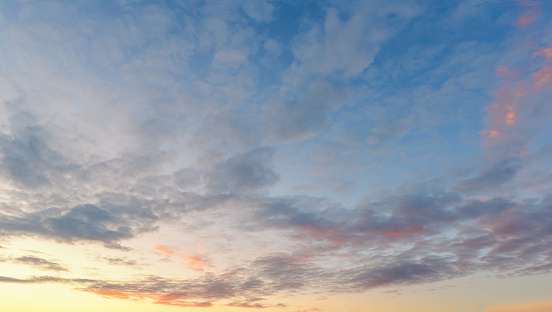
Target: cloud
point(111, 293)
point(499, 174)
point(120, 261)
point(515, 239)
point(300, 119)
point(164, 250)
point(346, 46)
point(243, 172)
point(195, 261)
point(32, 280)
point(512, 125)
point(417, 229)
point(234, 287)
point(169, 115)
point(109, 224)
point(39, 263)
point(5, 279)
point(28, 159)
point(251, 303)
point(429, 269)
point(260, 11)
point(525, 19)
point(543, 75)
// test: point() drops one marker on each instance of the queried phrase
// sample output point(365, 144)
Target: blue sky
point(275, 151)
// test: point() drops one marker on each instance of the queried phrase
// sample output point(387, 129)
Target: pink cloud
point(513, 101)
point(195, 261)
point(525, 19)
point(164, 250)
point(417, 229)
point(546, 52)
point(542, 77)
point(331, 234)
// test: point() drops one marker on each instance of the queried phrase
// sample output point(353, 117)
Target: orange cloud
point(417, 229)
point(111, 293)
point(190, 299)
point(194, 261)
point(544, 306)
point(164, 250)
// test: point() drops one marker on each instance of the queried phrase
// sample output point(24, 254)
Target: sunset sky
point(289, 156)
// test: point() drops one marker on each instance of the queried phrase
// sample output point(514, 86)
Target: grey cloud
point(282, 273)
point(121, 261)
point(302, 118)
point(39, 263)
point(495, 234)
point(428, 269)
point(5, 279)
point(28, 159)
point(243, 173)
point(416, 213)
point(260, 11)
point(430, 204)
point(228, 131)
point(346, 47)
point(187, 178)
point(382, 134)
point(107, 224)
point(497, 175)
point(474, 208)
point(32, 280)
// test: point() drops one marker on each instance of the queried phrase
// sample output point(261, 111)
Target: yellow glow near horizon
point(468, 294)
point(467, 297)
point(545, 306)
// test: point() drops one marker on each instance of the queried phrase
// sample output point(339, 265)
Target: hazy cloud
point(39, 263)
point(243, 172)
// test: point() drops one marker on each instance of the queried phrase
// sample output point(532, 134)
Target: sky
point(289, 156)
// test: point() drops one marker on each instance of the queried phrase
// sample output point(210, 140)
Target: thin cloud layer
point(246, 153)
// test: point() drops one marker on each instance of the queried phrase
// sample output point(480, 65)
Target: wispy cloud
point(196, 261)
point(39, 263)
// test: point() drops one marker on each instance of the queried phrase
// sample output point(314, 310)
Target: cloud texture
point(274, 149)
